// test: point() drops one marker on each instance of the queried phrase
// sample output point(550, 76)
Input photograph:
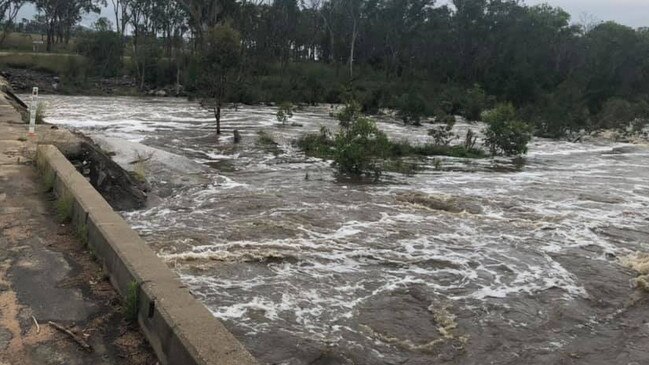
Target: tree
point(103, 48)
point(122, 17)
point(62, 15)
point(9, 11)
point(412, 108)
point(204, 15)
point(220, 57)
point(505, 133)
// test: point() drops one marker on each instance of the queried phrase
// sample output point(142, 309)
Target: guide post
point(32, 112)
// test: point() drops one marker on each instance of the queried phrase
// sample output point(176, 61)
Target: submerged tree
point(220, 58)
point(360, 148)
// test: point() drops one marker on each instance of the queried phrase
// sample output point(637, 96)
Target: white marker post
point(32, 112)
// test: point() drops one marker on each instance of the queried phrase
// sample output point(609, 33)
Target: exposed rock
point(625, 149)
point(152, 162)
point(601, 198)
point(414, 320)
point(443, 203)
point(118, 187)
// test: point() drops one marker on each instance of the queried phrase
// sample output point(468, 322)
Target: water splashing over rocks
point(466, 262)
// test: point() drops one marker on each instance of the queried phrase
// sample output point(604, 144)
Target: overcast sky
point(634, 13)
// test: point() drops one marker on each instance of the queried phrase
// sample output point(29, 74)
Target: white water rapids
point(304, 267)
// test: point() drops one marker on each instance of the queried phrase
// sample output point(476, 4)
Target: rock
point(601, 198)
point(161, 93)
point(447, 204)
point(624, 149)
point(122, 191)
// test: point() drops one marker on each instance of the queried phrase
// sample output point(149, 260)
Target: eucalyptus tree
point(122, 17)
point(206, 14)
point(8, 13)
point(61, 16)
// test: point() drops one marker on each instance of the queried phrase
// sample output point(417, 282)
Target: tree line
point(421, 58)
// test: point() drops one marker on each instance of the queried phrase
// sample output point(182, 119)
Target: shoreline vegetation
point(523, 70)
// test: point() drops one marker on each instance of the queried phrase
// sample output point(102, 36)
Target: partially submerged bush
point(505, 134)
point(317, 144)
point(285, 112)
point(443, 135)
point(265, 141)
point(359, 147)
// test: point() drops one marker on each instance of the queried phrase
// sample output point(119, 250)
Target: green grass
point(319, 145)
point(48, 180)
point(46, 62)
point(40, 112)
point(400, 166)
point(403, 148)
point(322, 145)
point(25, 42)
point(82, 233)
point(131, 305)
point(64, 207)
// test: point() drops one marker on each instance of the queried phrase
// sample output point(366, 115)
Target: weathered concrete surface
point(180, 329)
point(46, 274)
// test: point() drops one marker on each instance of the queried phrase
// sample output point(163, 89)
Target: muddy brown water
point(305, 268)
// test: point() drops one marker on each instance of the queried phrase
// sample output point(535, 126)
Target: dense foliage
point(425, 59)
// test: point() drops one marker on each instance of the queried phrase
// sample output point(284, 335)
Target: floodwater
point(520, 263)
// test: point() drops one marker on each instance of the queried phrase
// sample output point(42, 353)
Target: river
point(307, 268)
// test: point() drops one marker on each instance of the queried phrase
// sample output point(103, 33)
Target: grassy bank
point(54, 63)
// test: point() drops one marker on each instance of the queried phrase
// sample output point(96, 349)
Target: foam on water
point(269, 250)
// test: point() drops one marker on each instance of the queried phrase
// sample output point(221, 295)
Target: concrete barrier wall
point(180, 329)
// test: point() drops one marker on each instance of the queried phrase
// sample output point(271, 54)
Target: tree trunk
point(217, 114)
point(177, 74)
point(332, 44)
